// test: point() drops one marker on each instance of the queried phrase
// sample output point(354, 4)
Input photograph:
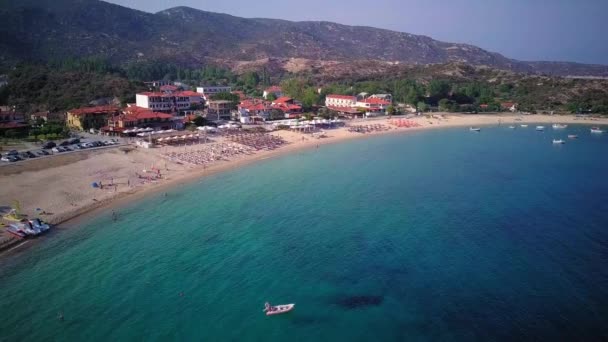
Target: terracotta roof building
point(90, 117)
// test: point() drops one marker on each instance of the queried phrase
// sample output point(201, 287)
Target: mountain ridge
point(39, 30)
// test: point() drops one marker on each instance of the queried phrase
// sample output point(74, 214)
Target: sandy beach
point(59, 189)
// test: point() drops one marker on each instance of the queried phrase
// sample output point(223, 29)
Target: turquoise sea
point(437, 235)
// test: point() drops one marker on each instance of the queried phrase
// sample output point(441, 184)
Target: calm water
point(442, 235)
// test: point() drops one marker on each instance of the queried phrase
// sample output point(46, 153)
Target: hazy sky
point(556, 30)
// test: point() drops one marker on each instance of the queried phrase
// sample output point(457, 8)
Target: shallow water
point(438, 235)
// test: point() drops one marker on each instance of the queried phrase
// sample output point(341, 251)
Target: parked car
point(5, 158)
point(31, 154)
point(23, 155)
point(57, 149)
point(44, 152)
point(74, 141)
point(66, 149)
point(48, 145)
point(12, 153)
point(64, 143)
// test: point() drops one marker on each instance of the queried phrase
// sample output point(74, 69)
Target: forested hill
point(44, 30)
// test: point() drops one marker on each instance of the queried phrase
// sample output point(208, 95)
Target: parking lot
point(50, 148)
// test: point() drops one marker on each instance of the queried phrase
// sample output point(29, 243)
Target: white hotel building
point(208, 91)
point(168, 102)
point(340, 101)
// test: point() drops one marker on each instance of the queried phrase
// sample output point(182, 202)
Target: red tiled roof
point(282, 99)
point(139, 113)
point(342, 97)
point(376, 101)
point(94, 110)
point(188, 93)
point(286, 107)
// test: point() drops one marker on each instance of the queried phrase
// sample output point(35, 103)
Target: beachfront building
point(252, 111)
point(133, 117)
point(208, 91)
point(385, 97)
point(219, 110)
point(373, 104)
point(168, 102)
point(287, 105)
point(90, 117)
point(276, 91)
point(340, 101)
point(510, 106)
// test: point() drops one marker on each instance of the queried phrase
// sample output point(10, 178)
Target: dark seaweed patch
point(357, 302)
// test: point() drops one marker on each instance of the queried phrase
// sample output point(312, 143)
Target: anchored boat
point(559, 126)
point(475, 129)
point(540, 128)
point(558, 141)
point(596, 130)
point(277, 309)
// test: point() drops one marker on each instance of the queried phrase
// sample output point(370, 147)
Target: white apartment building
point(340, 101)
point(168, 102)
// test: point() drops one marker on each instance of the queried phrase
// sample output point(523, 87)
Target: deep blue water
point(438, 235)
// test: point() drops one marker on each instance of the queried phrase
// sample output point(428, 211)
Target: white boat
point(26, 228)
point(572, 136)
point(278, 309)
point(524, 126)
point(475, 129)
point(540, 128)
point(512, 127)
point(596, 130)
point(558, 126)
point(558, 141)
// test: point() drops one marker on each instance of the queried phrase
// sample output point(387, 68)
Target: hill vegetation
point(74, 83)
point(46, 30)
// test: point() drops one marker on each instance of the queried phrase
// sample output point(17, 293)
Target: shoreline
point(188, 174)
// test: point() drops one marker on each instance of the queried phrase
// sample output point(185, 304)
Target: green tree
point(422, 107)
point(390, 110)
point(271, 97)
point(439, 89)
point(445, 105)
point(309, 98)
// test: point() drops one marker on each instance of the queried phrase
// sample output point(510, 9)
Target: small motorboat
point(596, 130)
point(17, 232)
point(558, 141)
point(558, 126)
point(475, 129)
point(278, 309)
point(524, 126)
point(512, 127)
point(540, 128)
point(572, 136)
